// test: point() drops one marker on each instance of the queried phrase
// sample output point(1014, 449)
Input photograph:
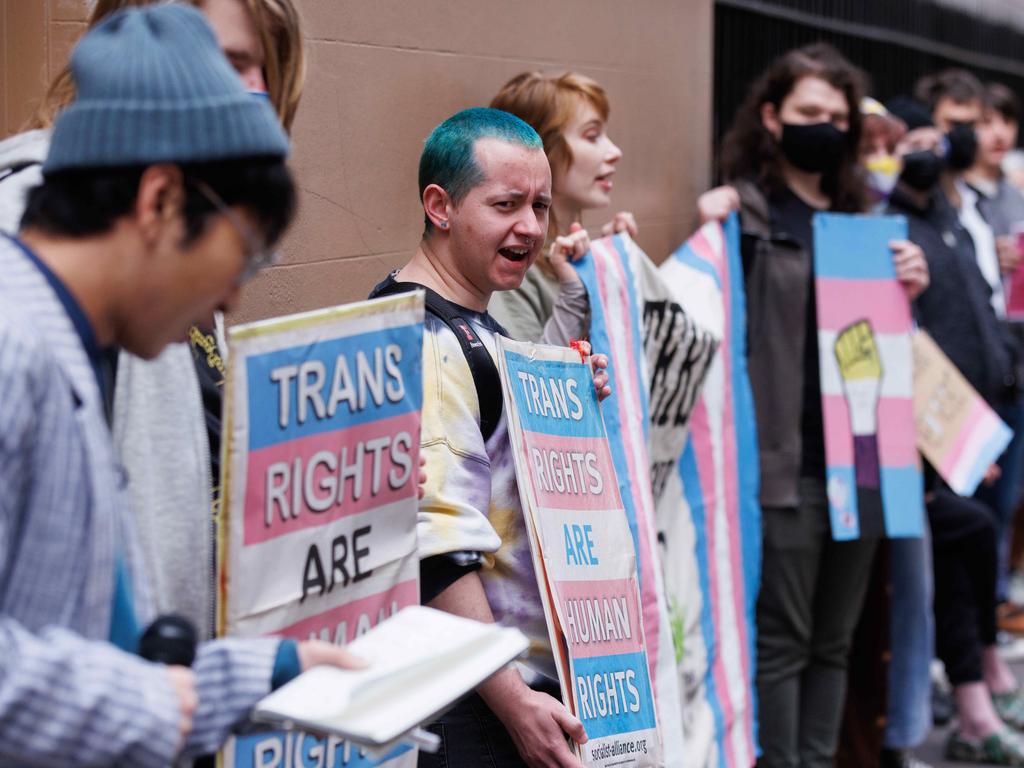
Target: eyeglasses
point(258, 254)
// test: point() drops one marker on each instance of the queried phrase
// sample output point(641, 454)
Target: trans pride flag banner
point(318, 529)
point(577, 525)
point(614, 273)
point(709, 510)
point(873, 470)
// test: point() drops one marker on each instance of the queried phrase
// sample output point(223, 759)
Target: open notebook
point(421, 661)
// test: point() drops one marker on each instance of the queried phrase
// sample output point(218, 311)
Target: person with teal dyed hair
point(448, 159)
point(485, 186)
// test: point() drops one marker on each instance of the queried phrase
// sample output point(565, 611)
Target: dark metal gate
point(894, 41)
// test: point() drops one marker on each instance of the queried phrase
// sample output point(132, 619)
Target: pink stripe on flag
point(885, 299)
point(732, 505)
point(601, 617)
point(975, 417)
point(895, 416)
point(609, 268)
point(718, 259)
point(701, 424)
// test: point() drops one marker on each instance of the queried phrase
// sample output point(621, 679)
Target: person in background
point(139, 227)
point(1001, 205)
point(166, 411)
point(570, 112)
point(956, 100)
point(881, 132)
point(955, 310)
point(911, 638)
point(1013, 168)
point(485, 187)
point(792, 150)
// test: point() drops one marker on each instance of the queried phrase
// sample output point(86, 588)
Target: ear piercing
point(443, 224)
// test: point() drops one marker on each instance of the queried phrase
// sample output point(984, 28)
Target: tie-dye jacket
point(472, 501)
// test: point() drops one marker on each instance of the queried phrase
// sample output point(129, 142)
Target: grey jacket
point(67, 697)
point(777, 274)
point(159, 435)
point(21, 162)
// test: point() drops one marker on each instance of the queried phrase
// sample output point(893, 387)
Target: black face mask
point(963, 146)
point(921, 170)
point(815, 148)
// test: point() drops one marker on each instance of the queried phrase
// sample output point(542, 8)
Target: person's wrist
point(505, 693)
point(568, 277)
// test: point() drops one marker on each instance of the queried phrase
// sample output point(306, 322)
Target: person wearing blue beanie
point(165, 189)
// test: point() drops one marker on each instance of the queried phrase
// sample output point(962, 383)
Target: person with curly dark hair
point(793, 151)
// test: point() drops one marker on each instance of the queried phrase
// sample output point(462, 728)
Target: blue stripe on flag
point(635, 310)
point(846, 249)
point(690, 477)
point(686, 255)
point(989, 455)
point(903, 501)
point(745, 424)
point(841, 485)
point(599, 341)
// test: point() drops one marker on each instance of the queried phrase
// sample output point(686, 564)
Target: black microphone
point(170, 639)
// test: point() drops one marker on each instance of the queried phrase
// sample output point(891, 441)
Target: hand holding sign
point(538, 724)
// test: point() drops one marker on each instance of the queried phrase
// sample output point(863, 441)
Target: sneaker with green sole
point(1002, 748)
point(1010, 708)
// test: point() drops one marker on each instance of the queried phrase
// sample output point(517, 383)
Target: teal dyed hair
point(448, 159)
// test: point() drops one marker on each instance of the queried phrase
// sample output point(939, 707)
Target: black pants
point(472, 736)
point(812, 592)
point(964, 549)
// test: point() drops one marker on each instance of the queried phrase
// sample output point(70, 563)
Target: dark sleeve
point(439, 572)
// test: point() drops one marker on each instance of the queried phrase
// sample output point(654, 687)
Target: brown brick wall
point(384, 72)
point(35, 39)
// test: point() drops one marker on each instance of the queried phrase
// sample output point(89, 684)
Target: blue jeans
point(1003, 496)
point(912, 641)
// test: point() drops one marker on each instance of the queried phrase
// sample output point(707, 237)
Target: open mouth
point(515, 254)
point(605, 182)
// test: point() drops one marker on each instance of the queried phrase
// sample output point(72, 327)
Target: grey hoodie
point(159, 433)
point(21, 162)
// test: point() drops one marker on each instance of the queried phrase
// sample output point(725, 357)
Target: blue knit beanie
point(153, 87)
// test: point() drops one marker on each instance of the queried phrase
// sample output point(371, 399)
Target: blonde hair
point(277, 23)
point(279, 26)
point(549, 103)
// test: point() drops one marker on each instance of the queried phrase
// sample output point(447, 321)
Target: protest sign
point(708, 511)
point(657, 358)
point(318, 529)
point(577, 527)
point(873, 472)
point(956, 430)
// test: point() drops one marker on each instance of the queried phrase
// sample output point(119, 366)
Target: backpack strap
point(481, 365)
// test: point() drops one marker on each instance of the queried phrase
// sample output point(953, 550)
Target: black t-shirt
point(792, 219)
